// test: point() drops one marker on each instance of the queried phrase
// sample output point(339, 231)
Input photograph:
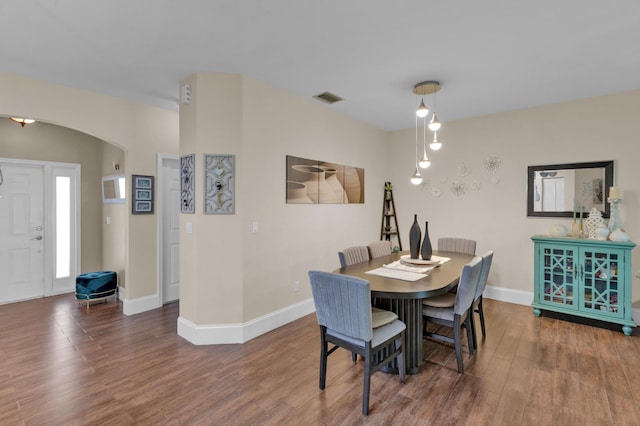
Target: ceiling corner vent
point(328, 97)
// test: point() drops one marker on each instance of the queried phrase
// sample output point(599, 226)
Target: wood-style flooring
point(62, 365)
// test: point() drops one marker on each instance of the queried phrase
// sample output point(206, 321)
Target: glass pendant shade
point(422, 110)
point(424, 163)
point(434, 124)
point(416, 179)
point(435, 144)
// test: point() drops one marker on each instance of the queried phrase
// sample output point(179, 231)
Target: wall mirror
point(113, 189)
point(556, 190)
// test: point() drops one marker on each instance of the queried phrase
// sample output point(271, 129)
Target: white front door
point(21, 232)
point(170, 228)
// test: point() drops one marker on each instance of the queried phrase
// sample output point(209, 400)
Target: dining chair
point(457, 245)
point(343, 310)
point(352, 255)
point(459, 315)
point(487, 260)
point(379, 249)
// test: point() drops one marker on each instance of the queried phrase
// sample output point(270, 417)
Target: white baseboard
point(212, 334)
point(518, 297)
point(139, 305)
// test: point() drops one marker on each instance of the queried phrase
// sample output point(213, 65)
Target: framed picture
point(219, 196)
point(187, 184)
point(142, 194)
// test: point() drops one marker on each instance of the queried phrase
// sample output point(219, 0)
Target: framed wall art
point(141, 194)
point(219, 184)
point(321, 182)
point(187, 184)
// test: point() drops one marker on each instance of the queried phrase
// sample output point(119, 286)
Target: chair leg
point(367, 379)
point(481, 312)
point(323, 357)
point(470, 333)
point(474, 332)
point(456, 337)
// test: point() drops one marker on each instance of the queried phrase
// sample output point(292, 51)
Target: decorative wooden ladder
point(387, 229)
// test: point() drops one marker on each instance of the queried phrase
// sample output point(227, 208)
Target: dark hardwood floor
point(62, 365)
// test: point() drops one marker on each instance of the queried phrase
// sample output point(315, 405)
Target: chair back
point(467, 285)
point(352, 255)
point(487, 258)
point(379, 249)
point(343, 303)
point(457, 245)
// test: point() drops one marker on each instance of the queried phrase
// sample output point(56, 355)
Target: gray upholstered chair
point(343, 309)
point(487, 260)
point(457, 245)
point(460, 314)
point(379, 249)
point(351, 255)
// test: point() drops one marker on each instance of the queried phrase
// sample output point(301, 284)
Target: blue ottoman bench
point(96, 286)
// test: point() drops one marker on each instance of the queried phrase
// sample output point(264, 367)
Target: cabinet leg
point(627, 330)
point(536, 312)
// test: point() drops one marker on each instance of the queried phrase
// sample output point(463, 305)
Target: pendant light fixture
point(434, 124)
point(423, 89)
point(424, 163)
point(435, 144)
point(416, 179)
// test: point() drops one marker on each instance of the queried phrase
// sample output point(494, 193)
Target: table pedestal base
point(410, 312)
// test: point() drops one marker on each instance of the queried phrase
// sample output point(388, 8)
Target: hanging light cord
point(416, 141)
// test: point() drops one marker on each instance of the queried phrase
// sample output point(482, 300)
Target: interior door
point(170, 229)
point(21, 232)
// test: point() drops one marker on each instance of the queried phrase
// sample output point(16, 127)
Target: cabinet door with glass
point(558, 275)
point(602, 282)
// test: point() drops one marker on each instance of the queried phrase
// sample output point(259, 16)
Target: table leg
point(410, 312)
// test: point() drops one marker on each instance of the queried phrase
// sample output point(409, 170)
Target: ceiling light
point(434, 124)
point(23, 121)
point(424, 163)
point(436, 144)
point(416, 179)
point(422, 110)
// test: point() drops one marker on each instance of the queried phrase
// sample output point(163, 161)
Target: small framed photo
point(142, 190)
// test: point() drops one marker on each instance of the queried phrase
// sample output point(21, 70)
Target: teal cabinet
point(588, 278)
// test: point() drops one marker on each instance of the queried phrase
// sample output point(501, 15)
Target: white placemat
point(396, 274)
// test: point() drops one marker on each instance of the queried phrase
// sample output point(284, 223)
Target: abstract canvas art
point(322, 182)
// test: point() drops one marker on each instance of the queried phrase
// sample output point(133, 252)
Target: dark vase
point(427, 250)
point(415, 235)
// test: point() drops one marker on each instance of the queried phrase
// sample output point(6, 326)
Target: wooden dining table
point(405, 297)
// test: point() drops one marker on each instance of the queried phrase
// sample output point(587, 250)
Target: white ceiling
point(490, 56)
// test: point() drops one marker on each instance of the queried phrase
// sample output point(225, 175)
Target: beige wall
point(140, 131)
point(45, 142)
point(113, 233)
point(597, 129)
point(228, 273)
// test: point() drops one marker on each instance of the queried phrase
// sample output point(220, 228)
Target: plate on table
point(406, 258)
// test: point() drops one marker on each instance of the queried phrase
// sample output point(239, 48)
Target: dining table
point(405, 297)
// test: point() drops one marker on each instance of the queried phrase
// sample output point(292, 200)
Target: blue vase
point(415, 235)
point(426, 250)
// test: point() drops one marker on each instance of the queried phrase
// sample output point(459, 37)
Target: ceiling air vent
point(327, 97)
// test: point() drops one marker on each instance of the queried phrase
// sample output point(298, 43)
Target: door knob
point(39, 237)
